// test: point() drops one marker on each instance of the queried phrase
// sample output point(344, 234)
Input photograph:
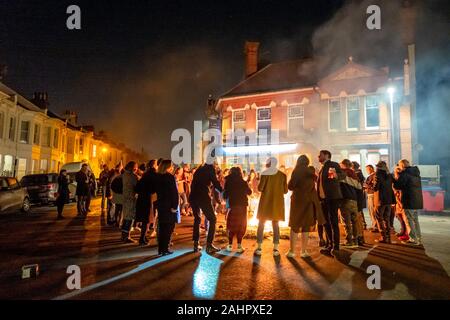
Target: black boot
point(197, 247)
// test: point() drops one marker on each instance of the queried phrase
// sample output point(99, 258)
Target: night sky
point(140, 69)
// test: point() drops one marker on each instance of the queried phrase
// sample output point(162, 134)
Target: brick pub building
point(347, 111)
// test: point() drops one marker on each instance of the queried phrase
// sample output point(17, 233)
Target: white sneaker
point(258, 252)
point(229, 248)
point(276, 252)
point(305, 254)
point(290, 254)
point(240, 249)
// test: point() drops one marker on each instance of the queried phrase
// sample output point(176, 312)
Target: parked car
point(13, 196)
point(42, 188)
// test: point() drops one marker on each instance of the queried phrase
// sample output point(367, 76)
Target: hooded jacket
point(410, 184)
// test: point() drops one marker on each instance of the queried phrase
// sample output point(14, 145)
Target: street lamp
point(391, 91)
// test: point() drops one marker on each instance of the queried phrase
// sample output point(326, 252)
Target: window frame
point(257, 119)
point(289, 117)
point(365, 112)
point(12, 129)
point(346, 113)
point(37, 133)
point(27, 140)
point(329, 114)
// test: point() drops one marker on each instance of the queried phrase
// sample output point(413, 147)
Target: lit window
point(372, 112)
point(264, 122)
point(239, 120)
point(295, 119)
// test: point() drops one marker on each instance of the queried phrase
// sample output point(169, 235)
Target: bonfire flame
point(253, 208)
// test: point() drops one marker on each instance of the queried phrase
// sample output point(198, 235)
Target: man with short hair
point(407, 179)
point(330, 195)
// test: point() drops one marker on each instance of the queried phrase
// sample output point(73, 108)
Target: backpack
point(117, 185)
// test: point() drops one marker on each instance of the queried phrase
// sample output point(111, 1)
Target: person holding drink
point(330, 195)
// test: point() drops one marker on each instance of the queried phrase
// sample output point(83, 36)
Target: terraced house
point(33, 139)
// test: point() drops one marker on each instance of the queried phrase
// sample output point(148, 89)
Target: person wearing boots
point(383, 200)
point(306, 211)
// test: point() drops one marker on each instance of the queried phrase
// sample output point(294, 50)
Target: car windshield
point(38, 179)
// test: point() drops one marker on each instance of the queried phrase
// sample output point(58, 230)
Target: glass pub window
point(295, 119)
point(335, 114)
point(352, 113)
point(264, 121)
point(372, 112)
point(239, 120)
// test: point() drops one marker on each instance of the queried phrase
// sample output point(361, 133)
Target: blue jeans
point(413, 221)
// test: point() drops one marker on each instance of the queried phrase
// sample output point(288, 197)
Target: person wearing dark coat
point(82, 191)
point(200, 199)
point(362, 203)
point(236, 192)
point(407, 179)
point(330, 195)
point(63, 192)
point(92, 189)
point(167, 205)
point(145, 187)
point(306, 211)
point(383, 199)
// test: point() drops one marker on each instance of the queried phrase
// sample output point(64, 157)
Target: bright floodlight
point(391, 90)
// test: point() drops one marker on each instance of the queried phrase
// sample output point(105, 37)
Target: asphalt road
point(113, 270)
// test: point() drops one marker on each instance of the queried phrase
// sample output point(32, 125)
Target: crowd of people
point(152, 197)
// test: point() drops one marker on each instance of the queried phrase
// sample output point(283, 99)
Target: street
point(113, 270)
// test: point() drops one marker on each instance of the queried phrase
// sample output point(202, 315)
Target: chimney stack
point(71, 117)
point(251, 58)
point(41, 100)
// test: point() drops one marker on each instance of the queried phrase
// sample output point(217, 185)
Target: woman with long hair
point(305, 210)
point(236, 191)
point(167, 205)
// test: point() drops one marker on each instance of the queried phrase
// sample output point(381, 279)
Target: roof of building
point(278, 76)
point(20, 99)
